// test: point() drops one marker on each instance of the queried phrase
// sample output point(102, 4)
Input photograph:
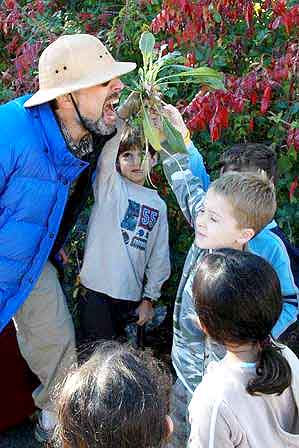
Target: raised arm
point(187, 188)
point(197, 166)
point(106, 169)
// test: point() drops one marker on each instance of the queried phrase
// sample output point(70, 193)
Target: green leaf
point(199, 75)
point(284, 164)
point(146, 44)
point(173, 137)
point(150, 131)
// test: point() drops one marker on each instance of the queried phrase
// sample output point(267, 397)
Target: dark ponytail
point(238, 300)
point(273, 373)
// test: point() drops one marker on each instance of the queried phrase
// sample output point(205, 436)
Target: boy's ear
point(245, 236)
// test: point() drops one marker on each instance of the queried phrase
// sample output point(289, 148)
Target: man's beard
point(98, 127)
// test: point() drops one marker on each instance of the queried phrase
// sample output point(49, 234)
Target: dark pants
point(102, 317)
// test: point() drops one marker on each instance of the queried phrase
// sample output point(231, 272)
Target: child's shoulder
point(219, 383)
point(268, 244)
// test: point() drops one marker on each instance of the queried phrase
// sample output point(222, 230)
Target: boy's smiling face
point(216, 227)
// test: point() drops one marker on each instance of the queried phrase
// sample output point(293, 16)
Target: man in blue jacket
point(49, 145)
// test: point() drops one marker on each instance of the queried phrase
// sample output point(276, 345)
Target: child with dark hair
point(118, 398)
point(126, 258)
point(250, 157)
point(250, 397)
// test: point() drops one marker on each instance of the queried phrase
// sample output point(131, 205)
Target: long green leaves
point(173, 137)
point(199, 75)
point(152, 79)
point(146, 45)
point(151, 133)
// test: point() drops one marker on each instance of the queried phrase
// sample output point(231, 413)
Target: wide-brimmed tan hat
point(74, 62)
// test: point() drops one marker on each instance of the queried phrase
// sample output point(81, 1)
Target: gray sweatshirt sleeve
point(187, 188)
point(158, 267)
point(106, 171)
point(214, 427)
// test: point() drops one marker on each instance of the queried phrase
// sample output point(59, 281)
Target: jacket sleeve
point(158, 267)
point(188, 189)
point(7, 167)
point(197, 166)
point(106, 171)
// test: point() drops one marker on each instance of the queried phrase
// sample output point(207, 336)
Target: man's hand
point(145, 312)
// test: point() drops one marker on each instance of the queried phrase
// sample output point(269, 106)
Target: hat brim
point(116, 70)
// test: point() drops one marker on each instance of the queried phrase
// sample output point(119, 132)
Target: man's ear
point(169, 428)
point(245, 236)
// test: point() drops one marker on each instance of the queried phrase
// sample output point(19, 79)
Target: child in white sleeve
point(249, 399)
point(126, 259)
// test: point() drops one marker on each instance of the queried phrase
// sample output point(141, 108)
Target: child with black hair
point(126, 258)
point(250, 397)
point(118, 398)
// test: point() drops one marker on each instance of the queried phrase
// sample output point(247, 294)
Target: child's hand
point(176, 119)
point(145, 312)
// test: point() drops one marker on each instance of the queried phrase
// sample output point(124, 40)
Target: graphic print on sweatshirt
point(141, 220)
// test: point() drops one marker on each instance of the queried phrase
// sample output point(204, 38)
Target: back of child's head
point(118, 398)
point(250, 157)
point(251, 196)
point(238, 301)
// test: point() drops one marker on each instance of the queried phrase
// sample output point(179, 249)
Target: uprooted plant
point(157, 74)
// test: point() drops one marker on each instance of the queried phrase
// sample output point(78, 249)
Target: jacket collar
point(65, 162)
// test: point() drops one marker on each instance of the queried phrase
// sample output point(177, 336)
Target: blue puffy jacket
point(36, 171)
